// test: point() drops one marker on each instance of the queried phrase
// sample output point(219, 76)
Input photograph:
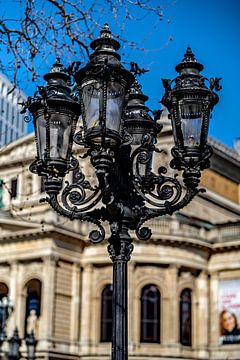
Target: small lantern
point(137, 120)
point(31, 344)
point(102, 85)
point(190, 103)
point(14, 346)
point(55, 114)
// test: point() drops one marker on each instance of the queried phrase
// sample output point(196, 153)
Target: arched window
point(150, 314)
point(3, 290)
point(33, 305)
point(106, 314)
point(186, 317)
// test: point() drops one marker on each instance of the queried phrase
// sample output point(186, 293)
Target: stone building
point(177, 281)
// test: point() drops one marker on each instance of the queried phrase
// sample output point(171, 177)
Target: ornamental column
point(46, 330)
point(214, 311)
point(86, 297)
point(170, 311)
point(202, 315)
point(75, 307)
point(14, 278)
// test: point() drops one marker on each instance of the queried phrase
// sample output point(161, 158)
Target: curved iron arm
point(166, 193)
point(125, 197)
point(144, 233)
point(93, 216)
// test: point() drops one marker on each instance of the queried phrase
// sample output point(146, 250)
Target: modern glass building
point(12, 124)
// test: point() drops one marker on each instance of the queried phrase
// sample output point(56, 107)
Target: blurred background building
point(12, 125)
point(180, 282)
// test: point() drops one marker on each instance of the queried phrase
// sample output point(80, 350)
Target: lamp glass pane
point(60, 127)
point(41, 135)
point(115, 99)
point(191, 123)
point(60, 132)
point(91, 94)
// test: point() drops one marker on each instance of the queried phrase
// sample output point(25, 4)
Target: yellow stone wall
point(221, 185)
point(63, 300)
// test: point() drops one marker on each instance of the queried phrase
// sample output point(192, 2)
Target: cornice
point(170, 232)
point(224, 149)
point(42, 231)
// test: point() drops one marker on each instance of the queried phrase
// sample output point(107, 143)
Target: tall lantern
point(103, 84)
point(142, 128)
point(55, 113)
point(190, 103)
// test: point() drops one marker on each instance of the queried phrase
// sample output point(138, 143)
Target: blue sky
point(210, 27)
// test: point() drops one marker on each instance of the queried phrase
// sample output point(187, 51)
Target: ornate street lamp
point(120, 136)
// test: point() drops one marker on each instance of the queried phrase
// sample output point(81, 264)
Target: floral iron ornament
point(119, 136)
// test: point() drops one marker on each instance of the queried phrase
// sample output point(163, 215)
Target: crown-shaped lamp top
point(57, 72)
point(189, 62)
point(105, 44)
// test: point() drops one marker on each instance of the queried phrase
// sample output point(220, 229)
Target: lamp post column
point(120, 248)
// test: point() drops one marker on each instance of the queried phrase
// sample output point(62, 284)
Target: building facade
point(12, 125)
point(180, 282)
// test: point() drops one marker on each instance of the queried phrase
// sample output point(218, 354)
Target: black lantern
point(55, 113)
point(142, 129)
point(31, 344)
point(137, 121)
point(190, 103)
point(14, 345)
point(102, 85)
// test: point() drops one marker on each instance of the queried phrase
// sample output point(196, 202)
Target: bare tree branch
point(46, 29)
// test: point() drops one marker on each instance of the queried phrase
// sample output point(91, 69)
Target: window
point(2, 105)
point(6, 135)
point(106, 314)
point(17, 125)
point(7, 111)
point(186, 317)
point(13, 188)
point(33, 306)
point(150, 314)
point(11, 135)
point(3, 290)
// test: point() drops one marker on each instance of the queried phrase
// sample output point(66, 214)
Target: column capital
point(50, 258)
point(13, 263)
point(88, 267)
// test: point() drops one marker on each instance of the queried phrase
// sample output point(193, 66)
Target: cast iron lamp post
point(120, 136)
